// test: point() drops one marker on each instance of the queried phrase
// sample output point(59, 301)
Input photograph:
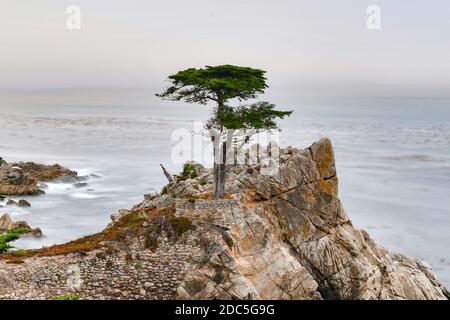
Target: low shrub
point(173, 226)
point(189, 172)
point(67, 298)
point(11, 236)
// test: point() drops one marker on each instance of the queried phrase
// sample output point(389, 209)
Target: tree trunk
point(220, 158)
point(220, 171)
point(166, 173)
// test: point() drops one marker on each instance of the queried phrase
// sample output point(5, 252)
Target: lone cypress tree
point(219, 85)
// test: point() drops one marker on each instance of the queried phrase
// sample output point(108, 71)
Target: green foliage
point(151, 241)
point(131, 218)
point(178, 226)
point(19, 253)
point(219, 84)
point(67, 298)
point(138, 265)
point(11, 236)
point(21, 230)
point(189, 172)
point(229, 241)
point(260, 115)
point(173, 226)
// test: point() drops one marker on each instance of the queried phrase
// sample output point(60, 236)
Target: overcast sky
point(322, 45)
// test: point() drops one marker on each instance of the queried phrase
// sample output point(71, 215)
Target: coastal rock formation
point(22, 178)
point(292, 238)
point(44, 173)
point(20, 203)
point(6, 224)
point(284, 236)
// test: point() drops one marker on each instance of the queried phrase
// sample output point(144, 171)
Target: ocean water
point(393, 158)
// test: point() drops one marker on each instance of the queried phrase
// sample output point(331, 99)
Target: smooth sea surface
point(393, 158)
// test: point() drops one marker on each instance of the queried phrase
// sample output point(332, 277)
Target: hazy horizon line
point(302, 92)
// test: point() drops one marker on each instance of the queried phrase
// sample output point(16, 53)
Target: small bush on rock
point(173, 226)
point(189, 172)
point(11, 236)
point(67, 298)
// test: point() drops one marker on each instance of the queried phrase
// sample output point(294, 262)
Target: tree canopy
point(219, 84)
point(260, 115)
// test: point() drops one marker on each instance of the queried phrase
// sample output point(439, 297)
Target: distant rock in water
point(44, 173)
point(80, 185)
point(23, 203)
point(11, 202)
point(20, 203)
point(285, 236)
point(23, 178)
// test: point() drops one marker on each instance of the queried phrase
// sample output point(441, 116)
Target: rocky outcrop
point(44, 173)
point(20, 203)
point(6, 224)
point(13, 181)
point(23, 178)
point(285, 236)
point(293, 239)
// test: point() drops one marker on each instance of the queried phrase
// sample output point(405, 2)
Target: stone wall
point(136, 274)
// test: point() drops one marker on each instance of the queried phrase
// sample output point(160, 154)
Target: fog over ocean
point(393, 158)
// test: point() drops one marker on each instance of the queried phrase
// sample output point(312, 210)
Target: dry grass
point(207, 196)
point(129, 225)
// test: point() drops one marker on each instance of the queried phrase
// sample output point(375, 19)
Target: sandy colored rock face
point(6, 224)
point(22, 178)
point(298, 242)
point(273, 237)
point(42, 172)
point(13, 181)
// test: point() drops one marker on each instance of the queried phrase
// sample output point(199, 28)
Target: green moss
point(131, 218)
point(189, 172)
point(179, 225)
point(67, 298)
point(138, 265)
point(173, 226)
point(19, 253)
point(151, 241)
